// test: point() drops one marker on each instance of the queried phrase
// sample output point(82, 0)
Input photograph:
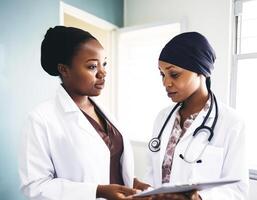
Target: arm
point(38, 174)
point(36, 169)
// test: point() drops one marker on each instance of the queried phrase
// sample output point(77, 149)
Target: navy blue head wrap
point(190, 51)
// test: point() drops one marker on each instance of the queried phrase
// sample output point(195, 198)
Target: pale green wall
point(23, 84)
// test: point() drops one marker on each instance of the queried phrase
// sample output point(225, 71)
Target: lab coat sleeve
point(127, 163)
point(149, 175)
point(36, 169)
point(234, 167)
point(149, 171)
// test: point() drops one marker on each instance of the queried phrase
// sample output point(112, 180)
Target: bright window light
point(246, 67)
point(249, 27)
point(246, 101)
point(140, 92)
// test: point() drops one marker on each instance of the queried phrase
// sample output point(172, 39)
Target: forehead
point(164, 66)
point(91, 48)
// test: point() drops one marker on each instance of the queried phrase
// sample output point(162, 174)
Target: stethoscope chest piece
point(154, 144)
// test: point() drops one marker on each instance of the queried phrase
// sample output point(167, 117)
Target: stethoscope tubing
point(155, 143)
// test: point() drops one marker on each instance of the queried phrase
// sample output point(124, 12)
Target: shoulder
point(164, 112)
point(41, 111)
point(229, 114)
point(162, 116)
point(230, 122)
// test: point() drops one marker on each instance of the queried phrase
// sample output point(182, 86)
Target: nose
point(167, 82)
point(101, 73)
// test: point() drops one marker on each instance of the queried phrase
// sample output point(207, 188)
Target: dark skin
point(184, 86)
point(192, 195)
point(189, 88)
point(84, 78)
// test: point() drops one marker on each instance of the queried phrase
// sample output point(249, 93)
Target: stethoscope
point(155, 143)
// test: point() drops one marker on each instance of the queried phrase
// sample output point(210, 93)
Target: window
point(140, 92)
point(245, 71)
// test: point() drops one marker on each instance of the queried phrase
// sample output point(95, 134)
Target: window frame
point(236, 57)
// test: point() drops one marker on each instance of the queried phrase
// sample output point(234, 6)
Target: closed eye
point(174, 75)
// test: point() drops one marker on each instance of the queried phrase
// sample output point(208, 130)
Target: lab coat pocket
point(210, 167)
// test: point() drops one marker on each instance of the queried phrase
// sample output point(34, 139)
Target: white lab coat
point(224, 157)
point(62, 157)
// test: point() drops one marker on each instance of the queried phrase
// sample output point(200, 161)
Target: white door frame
point(84, 16)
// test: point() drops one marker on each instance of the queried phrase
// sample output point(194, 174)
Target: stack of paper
point(184, 188)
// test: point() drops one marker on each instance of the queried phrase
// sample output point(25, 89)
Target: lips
point(171, 94)
point(99, 85)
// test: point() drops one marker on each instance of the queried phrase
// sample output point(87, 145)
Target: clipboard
point(166, 188)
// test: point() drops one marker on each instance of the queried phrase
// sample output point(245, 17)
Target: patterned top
point(176, 133)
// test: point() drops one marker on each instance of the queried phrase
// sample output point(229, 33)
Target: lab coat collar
point(70, 107)
point(66, 101)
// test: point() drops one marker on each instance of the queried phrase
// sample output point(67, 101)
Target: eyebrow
point(93, 59)
point(168, 67)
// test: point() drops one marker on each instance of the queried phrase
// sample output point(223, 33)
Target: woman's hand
point(114, 192)
point(140, 185)
point(193, 195)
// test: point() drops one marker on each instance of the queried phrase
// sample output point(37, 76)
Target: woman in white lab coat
point(176, 156)
point(71, 149)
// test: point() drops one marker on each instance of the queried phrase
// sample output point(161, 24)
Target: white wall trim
point(84, 16)
point(233, 64)
point(246, 56)
point(182, 22)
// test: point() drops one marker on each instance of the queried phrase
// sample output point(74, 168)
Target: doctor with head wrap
point(199, 139)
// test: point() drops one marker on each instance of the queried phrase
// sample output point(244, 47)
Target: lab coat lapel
point(71, 110)
point(127, 156)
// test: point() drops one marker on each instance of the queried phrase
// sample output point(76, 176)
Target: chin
point(95, 94)
point(176, 100)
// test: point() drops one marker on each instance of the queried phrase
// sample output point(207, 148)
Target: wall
point(23, 84)
point(212, 18)
point(109, 10)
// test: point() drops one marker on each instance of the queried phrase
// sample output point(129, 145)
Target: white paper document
point(166, 188)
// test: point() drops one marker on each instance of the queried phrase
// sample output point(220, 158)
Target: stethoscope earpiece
point(182, 157)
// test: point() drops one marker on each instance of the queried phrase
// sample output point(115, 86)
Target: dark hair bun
point(59, 46)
